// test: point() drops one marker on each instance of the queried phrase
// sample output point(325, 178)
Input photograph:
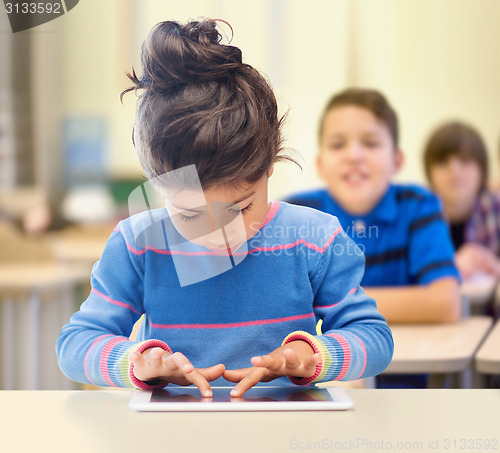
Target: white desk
point(36, 300)
point(438, 349)
point(100, 422)
point(488, 356)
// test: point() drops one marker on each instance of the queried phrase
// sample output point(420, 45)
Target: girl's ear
point(270, 171)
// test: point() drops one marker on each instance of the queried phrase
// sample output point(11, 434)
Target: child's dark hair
point(201, 105)
point(460, 140)
point(371, 100)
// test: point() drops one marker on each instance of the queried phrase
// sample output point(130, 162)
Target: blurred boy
point(410, 268)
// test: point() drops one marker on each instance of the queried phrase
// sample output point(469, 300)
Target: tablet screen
point(264, 398)
point(254, 395)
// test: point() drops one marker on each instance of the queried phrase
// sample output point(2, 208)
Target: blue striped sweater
point(300, 267)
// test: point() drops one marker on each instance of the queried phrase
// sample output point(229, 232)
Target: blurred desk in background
point(81, 245)
point(16, 202)
point(442, 350)
point(481, 291)
point(488, 356)
point(36, 300)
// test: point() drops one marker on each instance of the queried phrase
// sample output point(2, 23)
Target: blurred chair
point(37, 297)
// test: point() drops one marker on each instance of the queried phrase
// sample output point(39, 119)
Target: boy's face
point(220, 216)
point(357, 158)
point(456, 181)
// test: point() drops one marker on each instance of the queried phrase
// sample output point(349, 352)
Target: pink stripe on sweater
point(344, 344)
point(232, 324)
point(333, 305)
point(364, 352)
point(272, 211)
point(103, 361)
point(115, 302)
point(299, 241)
point(88, 352)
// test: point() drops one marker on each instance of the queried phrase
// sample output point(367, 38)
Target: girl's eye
point(335, 146)
point(244, 210)
point(371, 144)
point(247, 208)
point(188, 218)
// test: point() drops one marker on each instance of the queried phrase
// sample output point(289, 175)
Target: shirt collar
point(384, 211)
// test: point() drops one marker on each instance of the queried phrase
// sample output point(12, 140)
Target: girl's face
point(212, 218)
point(357, 158)
point(456, 181)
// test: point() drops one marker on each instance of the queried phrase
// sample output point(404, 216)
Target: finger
point(271, 362)
point(315, 359)
point(196, 378)
point(181, 362)
point(311, 362)
point(302, 369)
point(251, 379)
point(139, 363)
point(212, 373)
point(292, 361)
point(236, 375)
point(191, 374)
point(153, 359)
point(156, 353)
point(135, 358)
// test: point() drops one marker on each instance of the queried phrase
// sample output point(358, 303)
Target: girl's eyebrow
point(195, 210)
point(244, 198)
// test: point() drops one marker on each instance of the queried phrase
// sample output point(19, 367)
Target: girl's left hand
point(296, 359)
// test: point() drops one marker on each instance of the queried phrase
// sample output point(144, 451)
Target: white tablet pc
point(265, 398)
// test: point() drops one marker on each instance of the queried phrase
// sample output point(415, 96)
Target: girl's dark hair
point(201, 105)
point(371, 100)
point(460, 140)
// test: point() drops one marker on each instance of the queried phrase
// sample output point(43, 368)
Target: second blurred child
point(456, 165)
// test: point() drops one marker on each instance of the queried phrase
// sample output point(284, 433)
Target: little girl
point(231, 286)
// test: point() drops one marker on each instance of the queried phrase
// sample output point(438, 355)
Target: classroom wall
point(434, 60)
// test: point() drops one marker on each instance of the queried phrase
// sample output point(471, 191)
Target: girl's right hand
point(156, 363)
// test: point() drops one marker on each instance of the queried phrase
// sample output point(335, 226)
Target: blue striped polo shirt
point(405, 238)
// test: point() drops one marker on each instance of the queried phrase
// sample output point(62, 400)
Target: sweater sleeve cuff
point(140, 349)
point(318, 348)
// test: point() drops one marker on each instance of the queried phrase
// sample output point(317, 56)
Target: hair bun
point(175, 55)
